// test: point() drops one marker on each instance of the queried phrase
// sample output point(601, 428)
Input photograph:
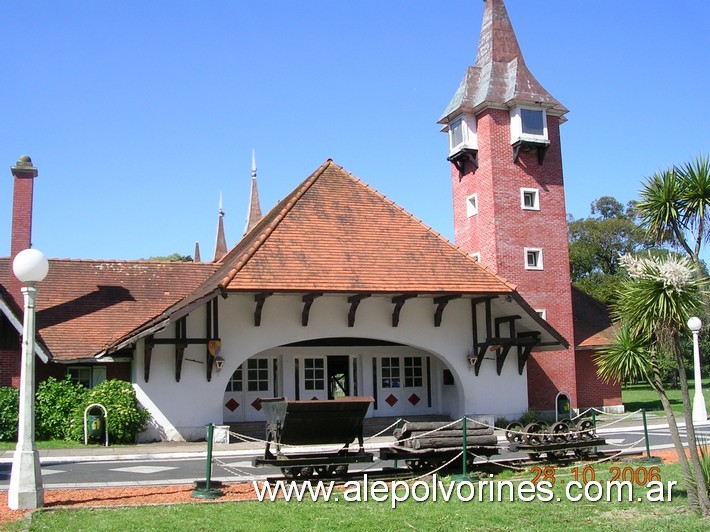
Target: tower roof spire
point(220, 247)
point(500, 77)
point(254, 210)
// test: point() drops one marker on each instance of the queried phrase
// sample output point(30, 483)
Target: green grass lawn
point(47, 444)
point(356, 516)
point(635, 396)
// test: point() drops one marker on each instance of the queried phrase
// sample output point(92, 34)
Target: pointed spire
point(197, 257)
point(220, 248)
point(254, 210)
point(500, 76)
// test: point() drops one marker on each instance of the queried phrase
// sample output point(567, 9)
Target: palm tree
point(652, 308)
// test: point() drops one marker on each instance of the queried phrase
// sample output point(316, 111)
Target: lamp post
point(30, 267)
point(699, 412)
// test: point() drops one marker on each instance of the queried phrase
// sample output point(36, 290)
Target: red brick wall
point(592, 391)
point(9, 367)
point(502, 229)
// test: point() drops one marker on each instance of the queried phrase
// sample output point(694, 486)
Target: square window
point(533, 259)
point(472, 205)
point(529, 199)
point(456, 133)
point(532, 121)
point(476, 256)
point(542, 313)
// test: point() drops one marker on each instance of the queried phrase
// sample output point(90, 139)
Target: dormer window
point(528, 131)
point(528, 124)
point(462, 134)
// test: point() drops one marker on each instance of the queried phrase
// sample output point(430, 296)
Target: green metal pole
point(463, 457)
point(645, 433)
point(208, 472)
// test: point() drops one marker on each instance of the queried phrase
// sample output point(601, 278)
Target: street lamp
point(30, 267)
point(699, 412)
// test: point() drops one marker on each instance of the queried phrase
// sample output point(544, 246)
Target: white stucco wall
point(182, 409)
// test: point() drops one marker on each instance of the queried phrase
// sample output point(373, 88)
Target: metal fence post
point(207, 491)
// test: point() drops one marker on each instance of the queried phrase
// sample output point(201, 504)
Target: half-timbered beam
point(260, 300)
point(528, 341)
point(147, 356)
point(354, 303)
point(399, 302)
point(441, 303)
point(209, 359)
point(502, 352)
point(308, 300)
point(180, 346)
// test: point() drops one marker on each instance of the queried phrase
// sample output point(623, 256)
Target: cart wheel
point(557, 455)
point(534, 434)
point(560, 432)
point(513, 432)
point(582, 453)
point(290, 472)
point(415, 465)
point(322, 471)
point(534, 456)
point(338, 470)
point(586, 429)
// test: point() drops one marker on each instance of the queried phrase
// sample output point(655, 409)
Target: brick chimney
point(24, 173)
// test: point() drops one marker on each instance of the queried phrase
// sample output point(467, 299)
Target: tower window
point(476, 256)
point(542, 313)
point(533, 259)
point(533, 121)
point(472, 205)
point(528, 125)
point(529, 199)
point(462, 134)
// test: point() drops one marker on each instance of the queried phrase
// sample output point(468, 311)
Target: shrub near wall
point(9, 407)
point(54, 405)
point(126, 417)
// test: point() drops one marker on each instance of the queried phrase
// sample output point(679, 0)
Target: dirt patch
point(102, 497)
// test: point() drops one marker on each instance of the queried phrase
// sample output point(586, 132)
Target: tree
point(656, 299)
point(675, 209)
point(597, 242)
point(174, 257)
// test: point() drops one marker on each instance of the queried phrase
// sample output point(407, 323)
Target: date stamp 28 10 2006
point(581, 482)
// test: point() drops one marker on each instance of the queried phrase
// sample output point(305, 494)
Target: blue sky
point(138, 114)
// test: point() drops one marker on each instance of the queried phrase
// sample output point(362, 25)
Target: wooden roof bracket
point(180, 345)
point(502, 353)
point(212, 333)
point(260, 299)
point(530, 145)
point(528, 341)
point(308, 300)
point(354, 303)
point(459, 159)
point(441, 303)
point(147, 356)
point(399, 302)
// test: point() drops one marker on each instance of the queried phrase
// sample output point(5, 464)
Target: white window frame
point(536, 199)
point(542, 313)
point(516, 125)
point(476, 256)
point(96, 374)
point(538, 262)
point(469, 138)
point(472, 205)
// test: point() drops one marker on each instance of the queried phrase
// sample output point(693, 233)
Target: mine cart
point(332, 422)
point(427, 445)
point(555, 441)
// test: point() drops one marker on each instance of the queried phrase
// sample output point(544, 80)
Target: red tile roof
point(592, 323)
point(334, 233)
point(84, 306)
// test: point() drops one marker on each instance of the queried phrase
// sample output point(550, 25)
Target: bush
point(502, 422)
point(529, 416)
point(54, 405)
point(126, 417)
point(9, 407)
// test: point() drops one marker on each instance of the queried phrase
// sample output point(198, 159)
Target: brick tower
point(508, 190)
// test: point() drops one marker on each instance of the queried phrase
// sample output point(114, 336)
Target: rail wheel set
point(422, 446)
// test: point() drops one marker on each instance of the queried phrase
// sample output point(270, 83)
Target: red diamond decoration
point(414, 399)
point(256, 404)
point(232, 405)
point(391, 400)
point(314, 398)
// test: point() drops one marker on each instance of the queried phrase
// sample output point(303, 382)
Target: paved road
point(232, 466)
